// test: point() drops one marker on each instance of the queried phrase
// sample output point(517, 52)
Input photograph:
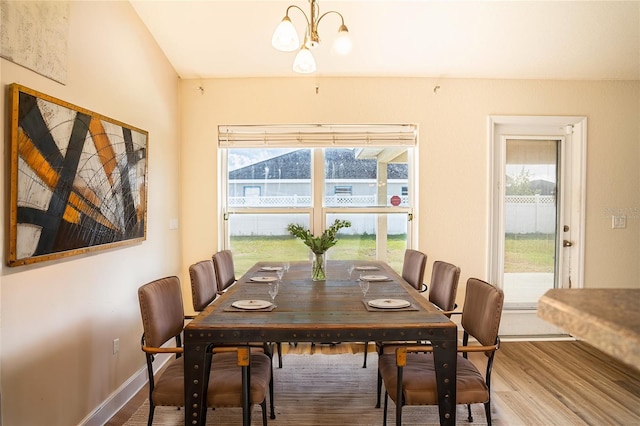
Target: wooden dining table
point(333, 310)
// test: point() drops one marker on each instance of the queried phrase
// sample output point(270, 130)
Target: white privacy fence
point(523, 215)
point(529, 214)
point(245, 225)
point(305, 200)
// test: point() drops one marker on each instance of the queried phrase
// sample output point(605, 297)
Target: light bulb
point(342, 44)
point(285, 37)
point(304, 62)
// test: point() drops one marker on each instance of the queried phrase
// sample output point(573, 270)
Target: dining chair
point(204, 285)
point(226, 277)
point(443, 289)
point(225, 270)
point(162, 315)
point(413, 267)
point(204, 292)
point(409, 373)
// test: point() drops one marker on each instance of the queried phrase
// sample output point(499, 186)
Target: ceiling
point(577, 40)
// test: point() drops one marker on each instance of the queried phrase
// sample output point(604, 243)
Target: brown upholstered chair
point(226, 277)
point(204, 285)
point(225, 270)
point(443, 289)
point(163, 319)
point(443, 286)
point(204, 290)
point(413, 267)
point(409, 374)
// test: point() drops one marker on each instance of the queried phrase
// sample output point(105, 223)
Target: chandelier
point(285, 38)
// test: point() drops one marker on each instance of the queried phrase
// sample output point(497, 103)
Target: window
point(342, 190)
point(288, 181)
point(251, 191)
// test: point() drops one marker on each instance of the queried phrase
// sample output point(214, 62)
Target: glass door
point(531, 211)
point(536, 214)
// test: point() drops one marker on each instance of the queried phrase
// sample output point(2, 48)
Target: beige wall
point(59, 318)
point(453, 152)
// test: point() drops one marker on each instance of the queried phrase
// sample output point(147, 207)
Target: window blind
point(322, 135)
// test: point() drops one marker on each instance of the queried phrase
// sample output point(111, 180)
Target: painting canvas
point(34, 34)
point(78, 180)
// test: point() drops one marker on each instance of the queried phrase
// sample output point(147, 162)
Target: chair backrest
point(161, 310)
point(204, 285)
point(413, 267)
point(482, 311)
point(225, 271)
point(444, 285)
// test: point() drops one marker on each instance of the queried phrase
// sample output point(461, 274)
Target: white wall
point(452, 153)
point(59, 318)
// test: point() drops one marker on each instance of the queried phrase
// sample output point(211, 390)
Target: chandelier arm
point(331, 11)
point(301, 11)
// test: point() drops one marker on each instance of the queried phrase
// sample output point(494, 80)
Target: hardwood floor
point(533, 383)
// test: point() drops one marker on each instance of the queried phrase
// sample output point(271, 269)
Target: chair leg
point(470, 418)
point(399, 411)
point(279, 345)
point(379, 389)
point(263, 404)
point(151, 411)
point(384, 415)
point(487, 411)
point(271, 401)
point(366, 347)
point(269, 352)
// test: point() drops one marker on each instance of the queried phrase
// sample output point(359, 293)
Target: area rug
point(318, 390)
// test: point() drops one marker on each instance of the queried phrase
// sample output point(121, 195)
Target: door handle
point(566, 243)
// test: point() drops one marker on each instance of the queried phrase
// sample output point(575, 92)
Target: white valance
point(321, 135)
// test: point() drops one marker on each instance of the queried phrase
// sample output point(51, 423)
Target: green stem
point(317, 271)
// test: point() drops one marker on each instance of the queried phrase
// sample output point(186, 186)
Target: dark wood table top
point(317, 311)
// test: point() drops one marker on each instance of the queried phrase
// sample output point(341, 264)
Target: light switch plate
point(618, 222)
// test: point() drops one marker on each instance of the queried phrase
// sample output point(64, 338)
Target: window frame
point(347, 136)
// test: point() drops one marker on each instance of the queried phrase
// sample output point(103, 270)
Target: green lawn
point(251, 249)
point(531, 253)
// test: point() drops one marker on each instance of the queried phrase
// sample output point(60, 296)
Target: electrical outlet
point(116, 346)
point(618, 222)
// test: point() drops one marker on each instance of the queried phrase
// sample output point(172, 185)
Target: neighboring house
point(284, 180)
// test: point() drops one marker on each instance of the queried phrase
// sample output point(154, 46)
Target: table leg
point(445, 359)
point(246, 396)
point(195, 382)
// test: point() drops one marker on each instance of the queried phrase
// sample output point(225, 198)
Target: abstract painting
point(78, 180)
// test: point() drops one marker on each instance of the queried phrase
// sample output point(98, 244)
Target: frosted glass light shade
point(285, 37)
point(342, 44)
point(304, 62)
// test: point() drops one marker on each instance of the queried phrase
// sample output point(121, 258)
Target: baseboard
point(121, 396)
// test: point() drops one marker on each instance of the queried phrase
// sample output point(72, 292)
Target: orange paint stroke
point(41, 167)
point(103, 147)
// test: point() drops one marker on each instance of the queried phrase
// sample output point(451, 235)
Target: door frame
point(572, 130)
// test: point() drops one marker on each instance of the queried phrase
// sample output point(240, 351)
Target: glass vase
point(317, 267)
